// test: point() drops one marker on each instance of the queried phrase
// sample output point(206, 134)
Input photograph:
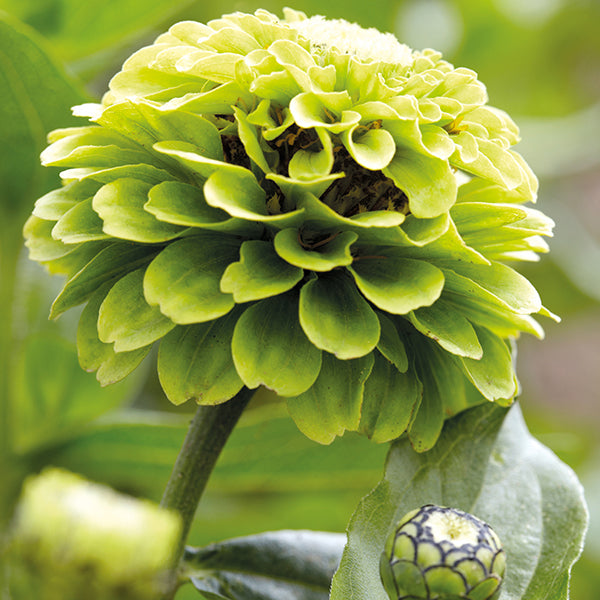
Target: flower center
point(350, 38)
point(453, 528)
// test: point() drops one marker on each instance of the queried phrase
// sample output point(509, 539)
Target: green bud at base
point(438, 553)
point(74, 539)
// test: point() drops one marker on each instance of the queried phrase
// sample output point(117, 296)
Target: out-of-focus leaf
point(266, 454)
point(296, 565)
point(78, 29)
point(53, 396)
point(35, 96)
point(492, 467)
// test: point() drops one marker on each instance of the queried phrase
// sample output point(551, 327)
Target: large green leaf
point(266, 455)
point(296, 565)
point(486, 463)
point(35, 96)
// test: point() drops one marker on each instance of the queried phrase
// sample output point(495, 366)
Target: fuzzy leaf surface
point(487, 463)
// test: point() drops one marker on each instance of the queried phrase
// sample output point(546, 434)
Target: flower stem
point(209, 430)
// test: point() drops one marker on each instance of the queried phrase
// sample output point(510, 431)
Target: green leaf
point(78, 33)
point(428, 182)
point(270, 566)
point(389, 401)
point(324, 257)
point(120, 204)
point(336, 318)
point(260, 273)
point(35, 95)
point(95, 355)
point(126, 319)
point(194, 361)
point(135, 450)
point(184, 279)
point(270, 347)
point(493, 468)
point(398, 285)
point(333, 404)
point(110, 264)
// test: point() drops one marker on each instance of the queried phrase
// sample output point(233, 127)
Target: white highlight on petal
point(350, 38)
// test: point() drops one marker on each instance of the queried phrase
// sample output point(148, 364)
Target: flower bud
point(438, 553)
point(75, 539)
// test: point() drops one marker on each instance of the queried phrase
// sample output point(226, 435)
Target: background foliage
point(539, 60)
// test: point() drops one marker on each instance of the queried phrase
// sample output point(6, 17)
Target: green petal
point(194, 361)
point(390, 397)
point(504, 283)
point(270, 348)
point(450, 329)
point(471, 217)
point(398, 285)
point(146, 173)
point(324, 257)
point(373, 149)
point(125, 317)
point(319, 216)
point(493, 374)
point(40, 243)
point(184, 279)
point(333, 404)
point(390, 344)
point(248, 137)
point(309, 110)
point(95, 355)
point(53, 205)
point(448, 249)
point(260, 273)
point(336, 318)
point(239, 194)
point(487, 311)
point(217, 101)
point(79, 224)
point(311, 165)
point(420, 232)
point(121, 206)
point(428, 182)
point(110, 264)
point(146, 123)
point(443, 384)
point(183, 204)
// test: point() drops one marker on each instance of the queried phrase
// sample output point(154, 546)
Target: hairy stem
point(209, 430)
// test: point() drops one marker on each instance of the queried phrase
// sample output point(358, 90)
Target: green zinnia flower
point(438, 553)
point(74, 539)
point(286, 203)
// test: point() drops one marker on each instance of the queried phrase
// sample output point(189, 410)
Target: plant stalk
point(209, 430)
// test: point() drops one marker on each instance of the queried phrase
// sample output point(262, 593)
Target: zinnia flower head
point(301, 204)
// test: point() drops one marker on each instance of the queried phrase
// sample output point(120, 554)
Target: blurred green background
point(540, 61)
